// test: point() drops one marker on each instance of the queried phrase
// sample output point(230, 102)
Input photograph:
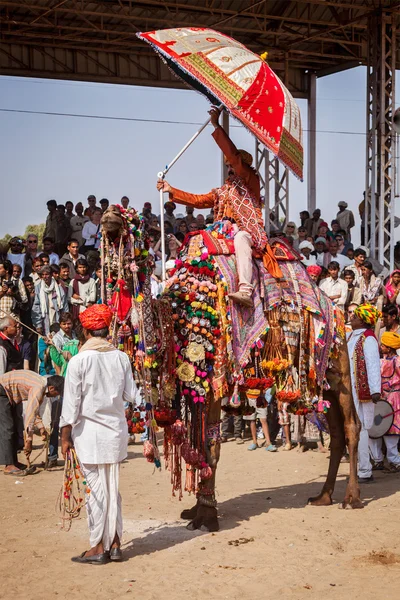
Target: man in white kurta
point(362, 321)
point(98, 382)
point(336, 289)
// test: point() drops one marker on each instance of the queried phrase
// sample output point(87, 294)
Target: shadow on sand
point(235, 511)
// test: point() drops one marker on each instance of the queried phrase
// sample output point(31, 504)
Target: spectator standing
point(147, 212)
point(390, 320)
point(201, 222)
point(31, 251)
point(393, 287)
point(64, 273)
point(190, 218)
point(77, 222)
point(371, 287)
point(333, 250)
point(69, 207)
point(50, 229)
point(169, 216)
point(345, 218)
point(26, 309)
point(353, 292)
point(91, 205)
point(91, 232)
point(63, 231)
point(8, 291)
point(36, 267)
point(104, 204)
point(304, 216)
point(50, 301)
point(10, 355)
point(307, 258)
point(21, 296)
point(359, 259)
point(301, 237)
point(25, 347)
point(71, 256)
point(48, 248)
point(312, 224)
point(66, 333)
point(82, 289)
point(365, 375)
point(16, 253)
point(390, 374)
point(335, 288)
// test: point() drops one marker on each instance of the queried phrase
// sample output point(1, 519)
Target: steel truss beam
point(274, 180)
point(380, 150)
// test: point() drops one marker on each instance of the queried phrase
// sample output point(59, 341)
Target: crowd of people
point(45, 290)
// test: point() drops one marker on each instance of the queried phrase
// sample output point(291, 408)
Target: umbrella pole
point(164, 271)
point(161, 175)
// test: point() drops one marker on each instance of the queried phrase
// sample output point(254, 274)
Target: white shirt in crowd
point(17, 259)
point(54, 258)
point(335, 287)
point(89, 229)
point(96, 386)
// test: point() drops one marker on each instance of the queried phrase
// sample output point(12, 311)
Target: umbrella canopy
point(227, 72)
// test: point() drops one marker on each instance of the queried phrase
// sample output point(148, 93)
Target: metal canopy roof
point(96, 41)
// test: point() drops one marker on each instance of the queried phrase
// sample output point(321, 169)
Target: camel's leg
point(345, 429)
point(206, 508)
point(335, 421)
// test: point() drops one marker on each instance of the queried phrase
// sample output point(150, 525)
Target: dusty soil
point(271, 545)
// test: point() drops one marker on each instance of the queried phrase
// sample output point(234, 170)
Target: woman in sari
point(393, 287)
point(390, 373)
point(371, 287)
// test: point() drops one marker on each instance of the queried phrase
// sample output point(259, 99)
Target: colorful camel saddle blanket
point(215, 339)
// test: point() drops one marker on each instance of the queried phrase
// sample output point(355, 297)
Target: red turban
point(96, 317)
point(314, 270)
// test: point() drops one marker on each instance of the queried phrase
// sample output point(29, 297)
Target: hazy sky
point(68, 158)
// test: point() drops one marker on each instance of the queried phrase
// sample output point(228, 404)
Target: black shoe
point(116, 554)
point(95, 559)
point(378, 466)
point(366, 479)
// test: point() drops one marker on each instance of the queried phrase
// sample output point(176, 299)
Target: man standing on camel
point(99, 379)
point(237, 201)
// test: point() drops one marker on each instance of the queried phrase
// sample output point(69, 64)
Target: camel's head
point(112, 222)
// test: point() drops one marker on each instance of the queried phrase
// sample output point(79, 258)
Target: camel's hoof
point(189, 513)
point(353, 502)
point(321, 500)
point(206, 519)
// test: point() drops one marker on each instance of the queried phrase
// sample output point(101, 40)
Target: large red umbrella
point(227, 73)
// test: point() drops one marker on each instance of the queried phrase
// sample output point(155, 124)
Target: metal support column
point(225, 127)
point(262, 167)
point(312, 145)
point(380, 148)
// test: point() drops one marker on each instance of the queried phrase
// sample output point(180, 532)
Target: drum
point(383, 419)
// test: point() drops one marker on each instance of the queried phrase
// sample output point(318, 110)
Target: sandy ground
point(271, 545)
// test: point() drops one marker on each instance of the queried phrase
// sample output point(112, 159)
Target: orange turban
point(391, 340)
point(96, 317)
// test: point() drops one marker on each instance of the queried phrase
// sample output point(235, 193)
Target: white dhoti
point(103, 504)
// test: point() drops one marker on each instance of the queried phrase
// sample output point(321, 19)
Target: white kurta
point(335, 287)
point(96, 386)
point(365, 410)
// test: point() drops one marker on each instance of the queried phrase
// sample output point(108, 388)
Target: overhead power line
point(137, 120)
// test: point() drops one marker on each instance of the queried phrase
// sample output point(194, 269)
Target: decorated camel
point(194, 348)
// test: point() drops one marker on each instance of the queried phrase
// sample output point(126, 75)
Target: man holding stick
point(98, 381)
